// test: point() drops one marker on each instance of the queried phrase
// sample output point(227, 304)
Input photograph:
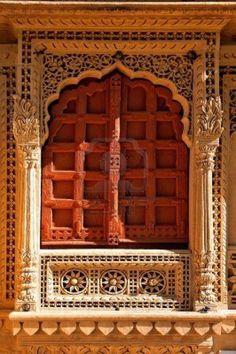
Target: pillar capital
point(25, 122)
point(209, 123)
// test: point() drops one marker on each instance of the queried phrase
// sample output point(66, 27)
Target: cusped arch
point(99, 74)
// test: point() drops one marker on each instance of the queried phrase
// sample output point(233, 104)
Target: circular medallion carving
point(113, 282)
point(152, 282)
point(74, 281)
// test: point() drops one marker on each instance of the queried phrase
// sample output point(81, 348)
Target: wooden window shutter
point(115, 170)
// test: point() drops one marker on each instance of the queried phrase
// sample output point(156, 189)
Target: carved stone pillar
point(26, 133)
point(208, 132)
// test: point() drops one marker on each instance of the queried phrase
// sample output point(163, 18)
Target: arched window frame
point(114, 121)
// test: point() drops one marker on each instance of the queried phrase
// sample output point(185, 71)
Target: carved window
point(115, 170)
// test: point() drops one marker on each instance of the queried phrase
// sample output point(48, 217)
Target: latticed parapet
point(131, 281)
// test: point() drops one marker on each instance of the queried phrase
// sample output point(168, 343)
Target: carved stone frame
point(29, 158)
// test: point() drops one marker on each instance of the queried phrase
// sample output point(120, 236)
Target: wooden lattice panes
point(115, 170)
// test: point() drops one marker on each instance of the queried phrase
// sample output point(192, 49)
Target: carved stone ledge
point(108, 327)
point(124, 324)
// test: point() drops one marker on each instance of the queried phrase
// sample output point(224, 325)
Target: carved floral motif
point(25, 123)
point(58, 68)
point(113, 282)
point(205, 277)
point(115, 276)
point(209, 130)
point(177, 68)
point(209, 125)
point(153, 282)
point(27, 284)
point(114, 349)
point(74, 281)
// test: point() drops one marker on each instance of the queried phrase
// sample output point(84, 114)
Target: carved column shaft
point(26, 132)
point(114, 160)
point(205, 164)
point(208, 133)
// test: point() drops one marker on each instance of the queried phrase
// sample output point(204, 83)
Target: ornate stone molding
point(114, 349)
point(119, 20)
point(159, 69)
point(124, 327)
point(112, 47)
point(232, 277)
point(7, 184)
point(3, 186)
point(229, 100)
point(169, 270)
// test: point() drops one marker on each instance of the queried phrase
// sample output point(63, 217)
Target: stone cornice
point(187, 10)
point(193, 6)
point(107, 20)
point(108, 323)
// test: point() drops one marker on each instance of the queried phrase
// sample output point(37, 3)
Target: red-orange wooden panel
point(115, 170)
